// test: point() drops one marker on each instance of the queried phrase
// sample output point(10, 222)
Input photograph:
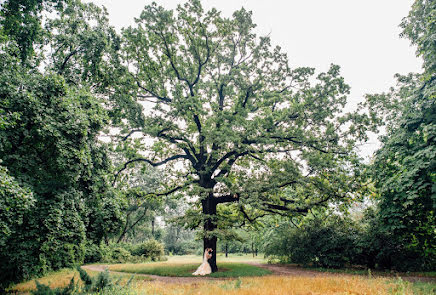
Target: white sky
point(359, 35)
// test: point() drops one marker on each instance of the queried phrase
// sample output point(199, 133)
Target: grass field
point(220, 258)
point(274, 285)
point(268, 285)
point(226, 269)
point(184, 266)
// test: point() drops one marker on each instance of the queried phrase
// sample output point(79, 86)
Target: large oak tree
point(252, 133)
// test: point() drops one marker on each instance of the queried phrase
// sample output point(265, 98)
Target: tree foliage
point(246, 127)
point(404, 167)
point(48, 142)
point(15, 202)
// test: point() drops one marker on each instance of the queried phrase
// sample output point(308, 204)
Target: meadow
point(304, 283)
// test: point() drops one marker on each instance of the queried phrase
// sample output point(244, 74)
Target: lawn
point(225, 269)
point(220, 258)
point(184, 266)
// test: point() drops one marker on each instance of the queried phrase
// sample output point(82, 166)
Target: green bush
point(336, 242)
point(381, 248)
point(124, 252)
point(94, 253)
point(151, 249)
point(119, 254)
point(330, 243)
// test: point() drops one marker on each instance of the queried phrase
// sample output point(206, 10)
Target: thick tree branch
point(191, 152)
point(227, 198)
point(67, 58)
point(230, 163)
point(200, 63)
point(295, 210)
point(161, 98)
point(154, 164)
point(244, 213)
point(130, 134)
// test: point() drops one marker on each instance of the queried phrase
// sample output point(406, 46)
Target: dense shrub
point(151, 249)
point(329, 243)
point(119, 254)
point(381, 248)
point(124, 252)
point(93, 253)
point(337, 242)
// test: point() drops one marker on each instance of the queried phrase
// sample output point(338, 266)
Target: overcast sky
point(359, 35)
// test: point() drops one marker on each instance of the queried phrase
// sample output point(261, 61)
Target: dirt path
point(277, 270)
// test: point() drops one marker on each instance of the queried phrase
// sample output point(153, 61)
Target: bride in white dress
point(204, 268)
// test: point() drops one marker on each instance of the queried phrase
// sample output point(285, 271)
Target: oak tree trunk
point(209, 241)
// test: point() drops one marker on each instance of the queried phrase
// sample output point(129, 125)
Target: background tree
point(242, 126)
point(141, 205)
point(404, 167)
point(49, 145)
point(21, 21)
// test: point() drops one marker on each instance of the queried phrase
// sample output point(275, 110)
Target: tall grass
point(62, 278)
point(274, 285)
point(268, 285)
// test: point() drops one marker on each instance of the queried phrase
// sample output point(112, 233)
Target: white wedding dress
point(204, 268)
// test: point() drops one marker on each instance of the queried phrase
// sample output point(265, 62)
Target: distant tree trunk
point(152, 227)
point(252, 247)
point(128, 227)
point(209, 241)
point(227, 249)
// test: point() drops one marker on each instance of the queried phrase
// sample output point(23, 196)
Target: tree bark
point(209, 241)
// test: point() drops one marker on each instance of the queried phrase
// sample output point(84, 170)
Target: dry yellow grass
point(60, 278)
point(269, 285)
point(275, 285)
point(57, 279)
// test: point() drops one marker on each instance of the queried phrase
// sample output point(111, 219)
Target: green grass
point(225, 270)
point(423, 288)
point(220, 258)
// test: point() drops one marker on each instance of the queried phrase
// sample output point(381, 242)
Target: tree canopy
point(404, 167)
point(57, 169)
point(247, 128)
